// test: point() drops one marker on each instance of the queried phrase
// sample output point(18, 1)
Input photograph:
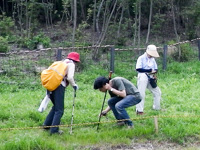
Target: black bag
point(152, 81)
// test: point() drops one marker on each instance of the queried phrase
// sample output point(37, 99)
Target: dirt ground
point(148, 146)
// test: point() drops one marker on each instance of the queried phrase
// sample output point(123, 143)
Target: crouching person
point(123, 95)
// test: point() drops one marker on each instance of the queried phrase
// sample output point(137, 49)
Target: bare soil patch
point(148, 145)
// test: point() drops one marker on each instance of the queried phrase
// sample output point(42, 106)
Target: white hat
point(152, 51)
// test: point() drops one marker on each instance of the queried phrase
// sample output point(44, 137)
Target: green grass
point(180, 97)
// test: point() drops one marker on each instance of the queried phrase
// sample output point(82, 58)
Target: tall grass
point(180, 97)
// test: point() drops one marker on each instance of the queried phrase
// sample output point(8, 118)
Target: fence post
point(198, 43)
point(59, 54)
point(112, 59)
point(156, 124)
point(165, 57)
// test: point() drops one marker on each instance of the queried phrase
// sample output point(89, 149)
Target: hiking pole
point(73, 111)
point(110, 73)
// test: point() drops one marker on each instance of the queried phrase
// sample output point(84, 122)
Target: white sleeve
point(139, 63)
point(70, 73)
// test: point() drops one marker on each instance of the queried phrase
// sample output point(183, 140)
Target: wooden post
point(112, 59)
point(59, 54)
point(156, 124)
point(198, 43)
point(165, 57)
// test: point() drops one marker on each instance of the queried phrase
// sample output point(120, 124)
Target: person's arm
point(70, 74)
point(119, 93)
point(104, 112)
point(143, 70)
point(151, 71)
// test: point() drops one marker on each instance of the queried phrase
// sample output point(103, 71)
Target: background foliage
point(123, 23)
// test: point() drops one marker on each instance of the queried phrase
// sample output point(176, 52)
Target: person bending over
point(123, 95)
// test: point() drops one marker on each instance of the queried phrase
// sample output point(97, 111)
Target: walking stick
point(110, 73)
point(73, 111)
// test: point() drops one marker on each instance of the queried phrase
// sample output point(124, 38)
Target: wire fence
point(30, 63)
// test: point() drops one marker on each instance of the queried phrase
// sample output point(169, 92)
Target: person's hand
point(75, 87)
point(103, 113)
point(107, 86)
point(153, 71)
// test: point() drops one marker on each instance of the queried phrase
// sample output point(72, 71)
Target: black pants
point(56, 113)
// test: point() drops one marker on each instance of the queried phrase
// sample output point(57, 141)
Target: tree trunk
point(72, 6)
point(104, 31)
point(74, 28)
point(19, 7)
point(149, 24)
point(175, 30)
point(135, 32)
point(3, 9)
point(26, 15)
point(82, 10)
point(139, 23)
point(94, 21)
point(106, 26)
point(120, 21)
point(97, 19)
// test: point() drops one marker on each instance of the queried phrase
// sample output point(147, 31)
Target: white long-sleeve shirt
point(69, 75)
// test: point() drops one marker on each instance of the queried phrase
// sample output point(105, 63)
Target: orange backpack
point(52, 77)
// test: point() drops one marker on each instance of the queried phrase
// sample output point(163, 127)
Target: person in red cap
point(57, 96)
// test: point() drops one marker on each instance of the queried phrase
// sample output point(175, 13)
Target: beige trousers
point(142, 84)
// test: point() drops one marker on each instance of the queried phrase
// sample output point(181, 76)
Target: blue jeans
point(118, 105)
point(57, 110)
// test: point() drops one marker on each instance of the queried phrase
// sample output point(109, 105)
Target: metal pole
point(101, 110)
point(198, 43)
point(110, 74)
point(59, 54)
point(112, 59)
point(165, 48)
point(73, 112)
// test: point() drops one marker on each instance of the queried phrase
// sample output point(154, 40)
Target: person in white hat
point(146, 67)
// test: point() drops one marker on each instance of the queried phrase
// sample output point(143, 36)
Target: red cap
point(74, 56)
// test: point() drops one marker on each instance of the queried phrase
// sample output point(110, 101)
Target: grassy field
point(178, 121)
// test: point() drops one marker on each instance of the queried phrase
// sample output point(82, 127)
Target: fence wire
point(26, 64)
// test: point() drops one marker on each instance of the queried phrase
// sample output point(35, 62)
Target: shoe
point(154, 108)
point(121, 123)
point(45, 128)
point(139, 113)
point(59, 132)
point(130, 127)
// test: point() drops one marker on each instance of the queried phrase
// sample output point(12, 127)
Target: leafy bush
point(186, 52)
point(38, 39)
point(3, 44)
point(6, 23)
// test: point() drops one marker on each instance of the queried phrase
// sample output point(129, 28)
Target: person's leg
point(128, 101)
point(156, 97)
point(58, 107)
point(142, 85)
point(49, 118)
point(111, 103)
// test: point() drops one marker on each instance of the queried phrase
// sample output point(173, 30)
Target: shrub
point(3, 44)
point(186, 53)
point(38, 39)
point(6, 23)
